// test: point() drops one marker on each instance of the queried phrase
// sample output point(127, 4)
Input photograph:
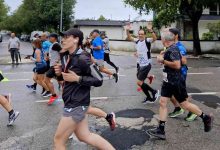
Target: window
point(213, 10)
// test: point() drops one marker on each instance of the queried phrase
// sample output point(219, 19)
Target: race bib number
point(165, 77)
point(143, 60)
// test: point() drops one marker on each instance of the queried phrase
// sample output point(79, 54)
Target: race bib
point(143, 59)
point(165, 77)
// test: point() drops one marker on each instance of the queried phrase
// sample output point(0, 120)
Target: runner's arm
point(88, 80)
point(172, 64)
point(129, 37)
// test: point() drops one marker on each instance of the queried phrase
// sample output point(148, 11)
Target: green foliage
point(3, 10)
point(214, 28)
point(39, 15)
point(169, 11)
point(102, 18)
point(207, 36)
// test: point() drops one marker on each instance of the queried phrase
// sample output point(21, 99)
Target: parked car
point(25, 37)
point(1, 38)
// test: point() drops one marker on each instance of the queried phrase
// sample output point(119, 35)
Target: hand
point(31, 58)
point(127, 27)
point(162, 52)
point(149, 27)
point(58, 69)
point(135, 54)
point(160, 59)
point(91, 47)
point(70, 76)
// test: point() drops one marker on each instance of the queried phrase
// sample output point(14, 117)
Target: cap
point(54, 35)
point(175, 31)
point(96, 31)
point(73, 31)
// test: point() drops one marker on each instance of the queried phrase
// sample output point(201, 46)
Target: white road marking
point(60, 99)
point(203, 93)
point(18, 73)
point(202, 73)
point(13, 80)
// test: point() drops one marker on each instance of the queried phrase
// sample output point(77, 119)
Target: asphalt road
point(36, 125)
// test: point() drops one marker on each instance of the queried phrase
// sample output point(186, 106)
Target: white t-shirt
point(142, 51)
point(14, 42)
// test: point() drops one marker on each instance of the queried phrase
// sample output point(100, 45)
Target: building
point(210, 15)
point(114, 29)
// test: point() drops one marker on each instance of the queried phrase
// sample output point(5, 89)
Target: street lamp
point(61, 16)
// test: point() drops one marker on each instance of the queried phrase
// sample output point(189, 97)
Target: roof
point(99, 23)
point(210, 17)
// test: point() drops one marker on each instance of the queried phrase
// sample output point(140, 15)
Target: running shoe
point(12, 118)
point(156, 95)
point(47, 94)
point(111, 120)
point(151, 78)
point(117, 69)
point(31, 87)
point(43, 91)
point(116, 77)
point(148, 101)
point(208, 123)
point(156, 133)
point(190, 117)
point(52, 100)
point(176, 113)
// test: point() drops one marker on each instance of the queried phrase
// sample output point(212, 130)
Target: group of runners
point(76, 66)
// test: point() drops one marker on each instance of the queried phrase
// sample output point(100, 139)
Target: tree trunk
point(196, 40)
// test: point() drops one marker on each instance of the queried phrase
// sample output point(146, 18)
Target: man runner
point(144, 62)
point(54, 57)
point(178, 110)
point(173, 85)
point(98, 54)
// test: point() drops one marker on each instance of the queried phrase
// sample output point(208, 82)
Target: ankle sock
point(11, 112)
point(162, 125)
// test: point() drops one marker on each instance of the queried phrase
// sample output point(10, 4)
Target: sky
point(110, 9)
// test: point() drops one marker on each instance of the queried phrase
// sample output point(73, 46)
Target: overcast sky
point(111, 9)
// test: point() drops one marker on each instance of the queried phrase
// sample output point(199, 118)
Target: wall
point(203, 26)
point(112, 32)
point(206, 46)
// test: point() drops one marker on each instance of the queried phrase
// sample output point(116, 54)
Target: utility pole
point(61, 16)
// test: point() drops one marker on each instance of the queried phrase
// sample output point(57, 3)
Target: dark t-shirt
point(173, 76)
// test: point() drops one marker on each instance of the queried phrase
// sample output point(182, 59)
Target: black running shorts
point(142, 72)
point(178, 91)
point(51, 74)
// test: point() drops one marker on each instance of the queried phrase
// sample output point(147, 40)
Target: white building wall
point(112, 32)
point(157, 46)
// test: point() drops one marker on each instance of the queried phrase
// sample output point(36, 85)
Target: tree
point(102, 18)
point(214, 28)
point(3, 10)
point(40, 15)
point(168, 11)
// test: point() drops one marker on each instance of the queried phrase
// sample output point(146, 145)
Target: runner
point(5, 101)
point(33, 87)
point(76, 93)
point(107, 51)
point(178, 110)
point(144, 62)
point(173, 85)
point(98, 54)
point(45, 48)
point(41, 66)
point(54, 56)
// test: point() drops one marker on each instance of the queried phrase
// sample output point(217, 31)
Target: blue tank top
point(42, 62)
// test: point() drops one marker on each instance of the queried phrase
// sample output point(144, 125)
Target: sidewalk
point(154, 55)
